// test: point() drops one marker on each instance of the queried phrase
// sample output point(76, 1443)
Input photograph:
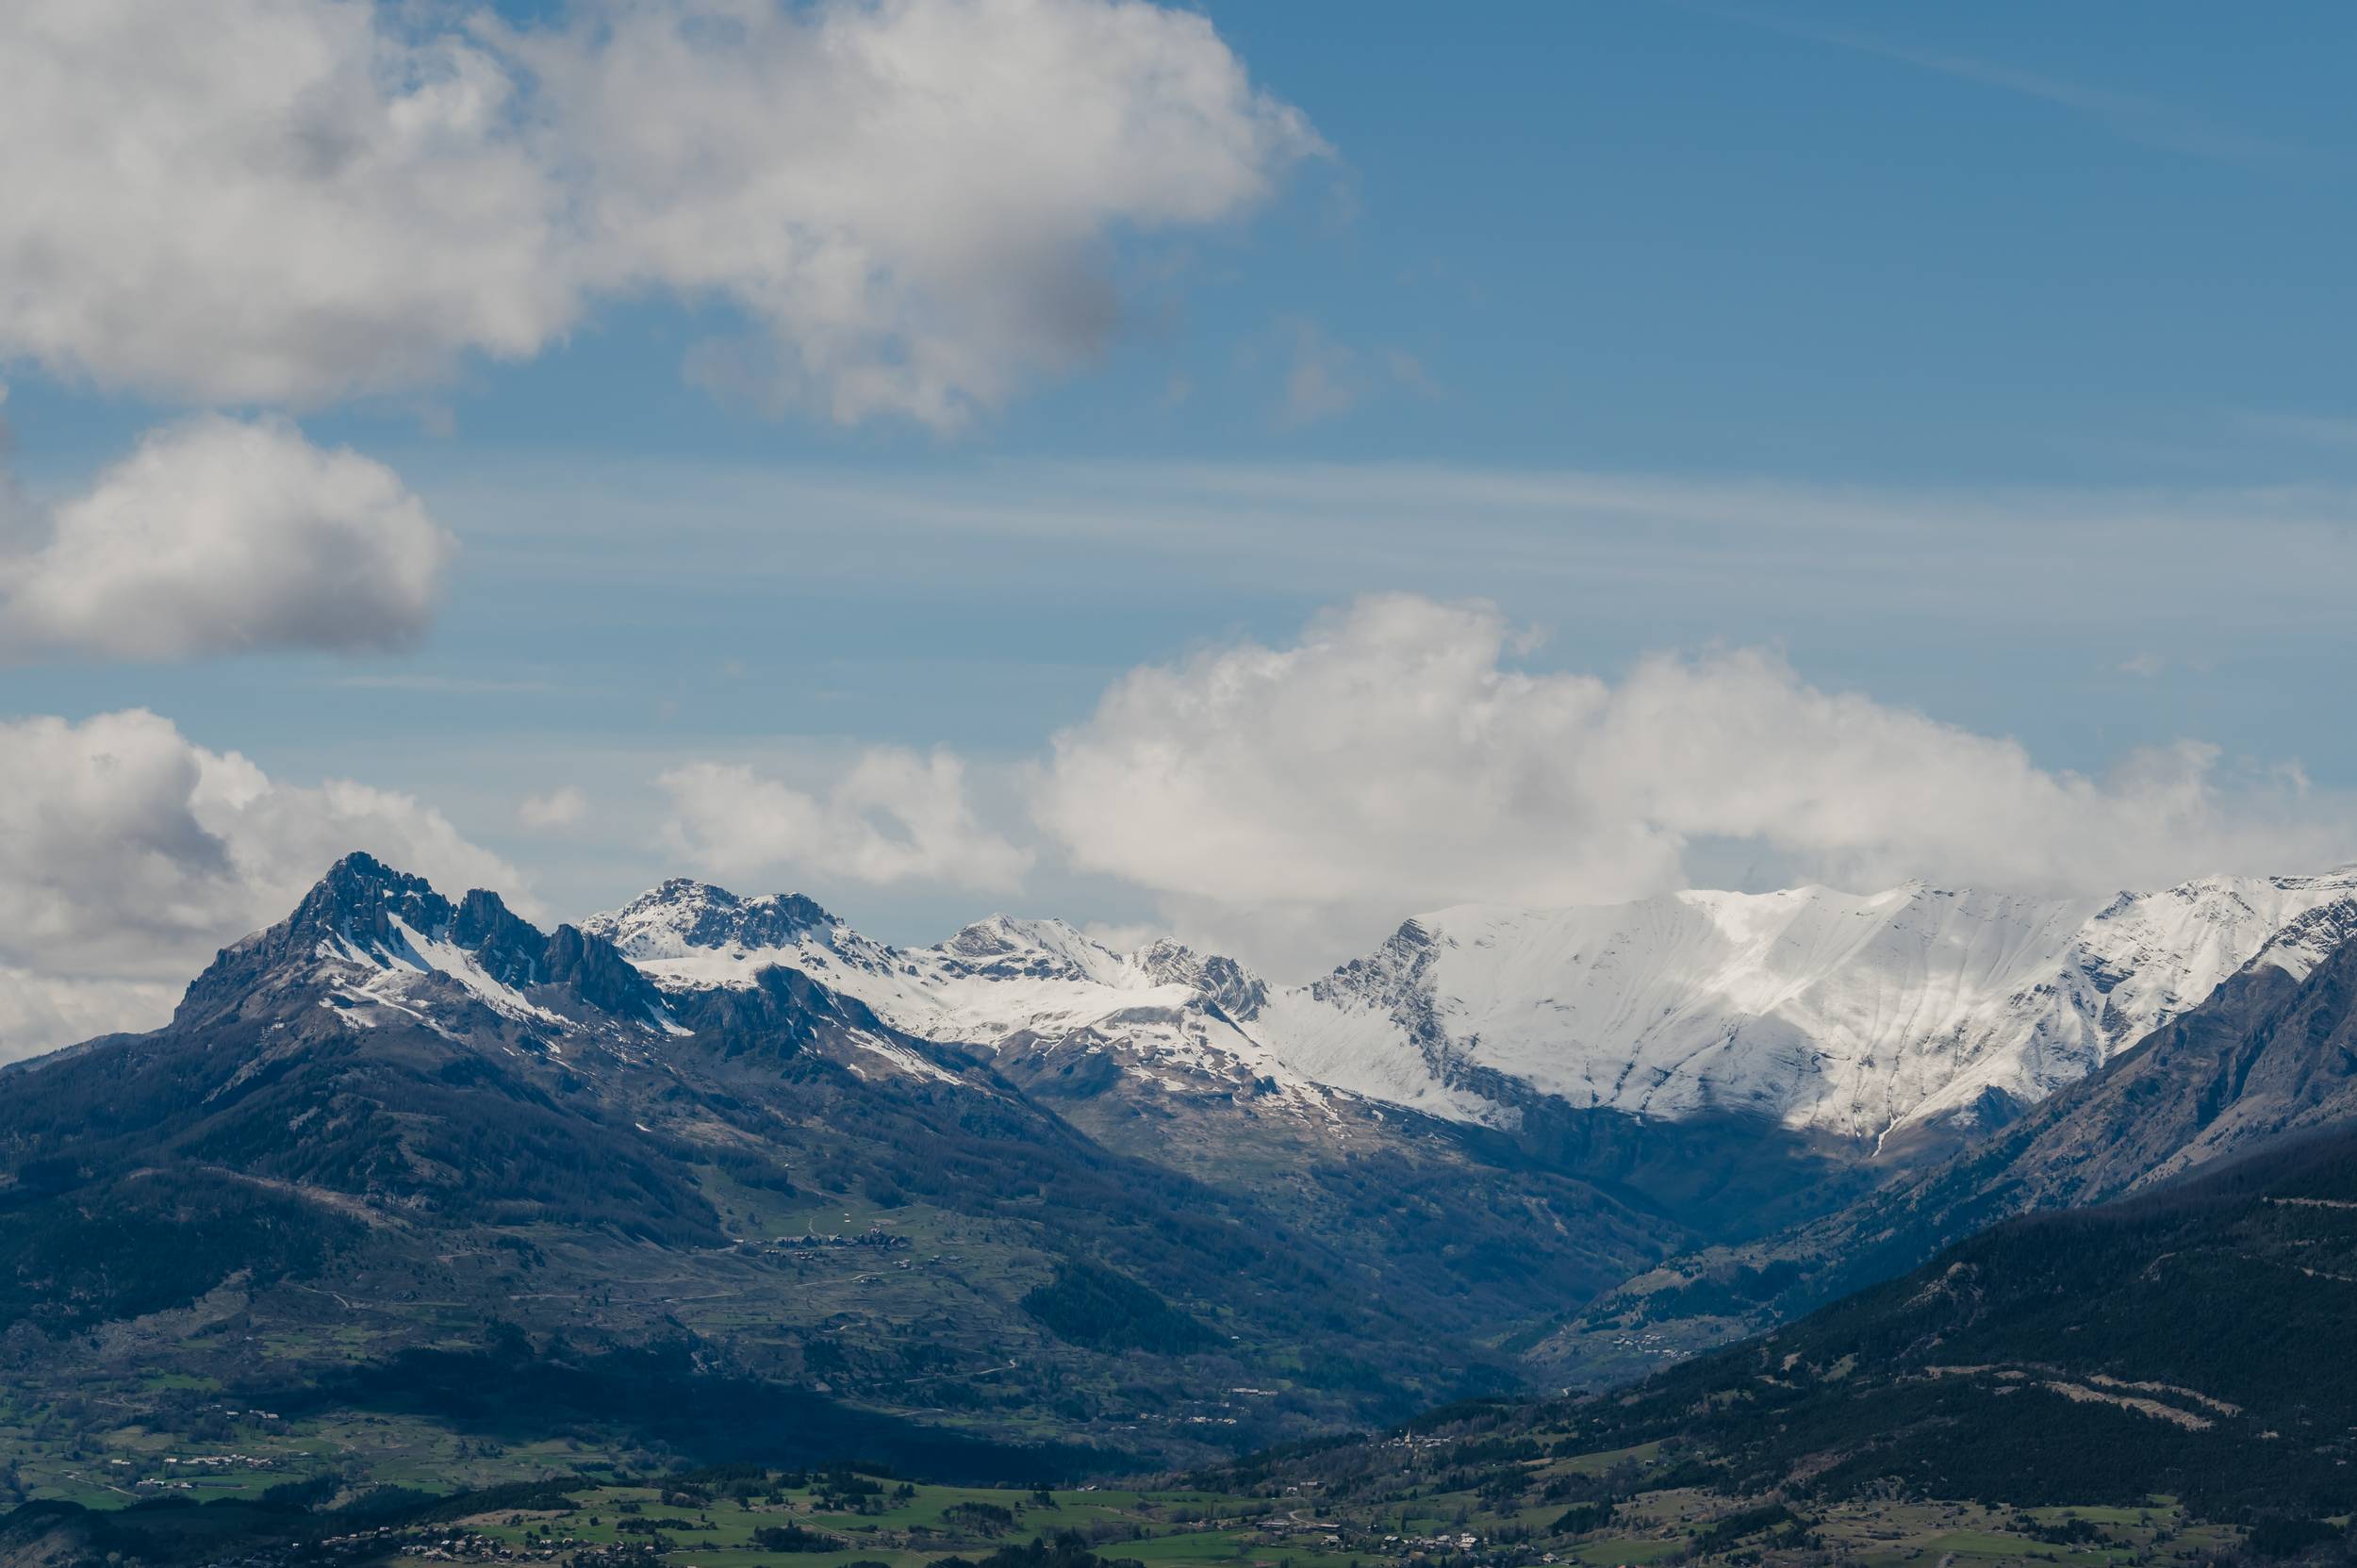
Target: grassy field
point(916, 1527)
point(906, 1527)
point(715, 1523)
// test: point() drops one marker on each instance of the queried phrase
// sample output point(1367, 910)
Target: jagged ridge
point(1873, 1019)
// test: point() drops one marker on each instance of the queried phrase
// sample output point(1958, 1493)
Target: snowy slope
point(1823, 1009)
point(392, 973)
point(684, 934)
point(1019, 986)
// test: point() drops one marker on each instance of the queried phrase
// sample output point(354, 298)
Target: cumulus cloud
point(219, 535)
point(265, 200)
point(891, 816)
point(129, 854)
point(562, 807)
point(1396, 758)
point(297, 200)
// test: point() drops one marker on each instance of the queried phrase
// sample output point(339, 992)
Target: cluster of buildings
point(177, 1468)
point(883, 1240)
point(464, 1547)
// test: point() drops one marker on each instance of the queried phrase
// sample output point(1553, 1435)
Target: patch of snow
point(418, 952)
point(907, 1061)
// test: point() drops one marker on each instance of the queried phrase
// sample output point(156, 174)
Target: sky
point(1251, 472)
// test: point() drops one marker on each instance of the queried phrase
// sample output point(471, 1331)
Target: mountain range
point(1019, 1202)
point(398, 1142)
point(1849, 1018)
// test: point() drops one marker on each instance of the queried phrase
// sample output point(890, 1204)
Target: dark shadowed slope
point(2191, 1344)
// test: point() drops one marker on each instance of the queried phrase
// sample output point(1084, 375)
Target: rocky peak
point(364, 919)
point(1386, 977)
point(1002, 947)
point(596, 971)
point(1234, 989)
point(681, 914)
point(509, 949)
point(358, 900)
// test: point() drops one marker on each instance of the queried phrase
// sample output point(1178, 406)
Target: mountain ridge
point(399, 1124)
point(1889, 1020)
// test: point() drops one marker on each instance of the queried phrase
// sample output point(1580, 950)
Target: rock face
point(1881, 1021)
point(2270, 1055)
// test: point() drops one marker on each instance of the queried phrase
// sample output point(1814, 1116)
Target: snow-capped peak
point(1236, 990)
point(369, 941)
point(681, 915)
point(684, 934)
point(1003, 947)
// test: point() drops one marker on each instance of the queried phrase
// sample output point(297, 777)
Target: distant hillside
point(2192, 1341)
point(2187, 1347)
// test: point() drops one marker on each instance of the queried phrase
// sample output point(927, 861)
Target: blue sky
point(1987, 362)
point(1953, 245)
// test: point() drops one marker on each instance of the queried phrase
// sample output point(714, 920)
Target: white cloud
point(297, 200)
point(129, 854)
point(562, 807)
point(911, 196)
point(1395, 759)
point(217, 536)
point(264, 200)
point(41, 1012)
point(891, 816)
